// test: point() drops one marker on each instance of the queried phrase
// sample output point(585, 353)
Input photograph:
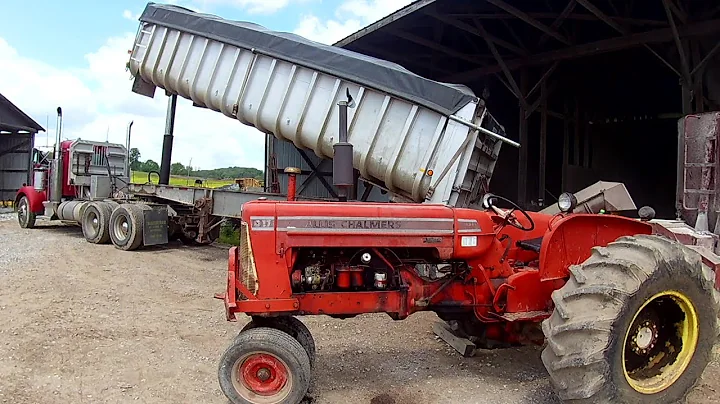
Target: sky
point(72, 54)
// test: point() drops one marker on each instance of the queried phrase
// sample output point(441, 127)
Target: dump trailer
point(421, 140)
point(88, 183)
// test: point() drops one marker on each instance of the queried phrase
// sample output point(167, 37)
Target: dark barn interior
point(592, 89)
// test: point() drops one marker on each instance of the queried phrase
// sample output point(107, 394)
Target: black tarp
point(348, 65)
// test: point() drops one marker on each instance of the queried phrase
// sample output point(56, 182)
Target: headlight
point(567, 202)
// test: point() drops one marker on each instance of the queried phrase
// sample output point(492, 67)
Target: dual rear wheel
point(107, 221)
point(270, 361)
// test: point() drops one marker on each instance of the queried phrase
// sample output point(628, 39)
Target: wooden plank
point(462, 345)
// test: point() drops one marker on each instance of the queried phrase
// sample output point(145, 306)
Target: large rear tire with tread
point(26, 217)
point(95, 222)
point(289, 325)
point(636, 322)
point(264, 365)
point(126, 226)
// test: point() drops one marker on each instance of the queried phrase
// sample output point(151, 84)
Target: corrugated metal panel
point(15, 152)
point(287, 155)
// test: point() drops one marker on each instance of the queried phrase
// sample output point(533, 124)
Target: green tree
point(135, 159)
point(149, 166)
point(178, 169)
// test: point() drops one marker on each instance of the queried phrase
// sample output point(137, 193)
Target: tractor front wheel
point(289, 325)
point(264, 365)
point(636, 322)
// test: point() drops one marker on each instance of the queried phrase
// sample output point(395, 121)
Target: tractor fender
point(36, 198)
point(570, 239)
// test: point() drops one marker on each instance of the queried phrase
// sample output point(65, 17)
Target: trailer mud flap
point(155, 225)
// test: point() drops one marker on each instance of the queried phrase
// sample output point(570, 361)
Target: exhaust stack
point(127, 149)
point(343, 175)
point(57, 165)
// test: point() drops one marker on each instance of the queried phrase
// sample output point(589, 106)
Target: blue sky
point(73, 54)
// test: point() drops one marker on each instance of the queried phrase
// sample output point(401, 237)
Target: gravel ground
point(83, 323)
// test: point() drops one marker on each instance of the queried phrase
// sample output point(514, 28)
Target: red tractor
point(628, 315)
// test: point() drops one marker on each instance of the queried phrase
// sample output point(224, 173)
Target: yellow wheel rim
point(660, 342)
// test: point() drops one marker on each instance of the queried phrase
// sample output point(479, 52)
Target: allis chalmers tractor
point(628, 316)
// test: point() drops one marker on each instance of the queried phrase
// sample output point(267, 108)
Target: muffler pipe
point(127, 149)
point(57, 166)
point(343, 173)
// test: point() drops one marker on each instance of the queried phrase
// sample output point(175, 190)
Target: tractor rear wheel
point(25, 215)
point(264, 365)
point(290, 325)
point(95, 222)
point(636, 322)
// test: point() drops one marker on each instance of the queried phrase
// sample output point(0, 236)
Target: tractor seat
point(532, 244)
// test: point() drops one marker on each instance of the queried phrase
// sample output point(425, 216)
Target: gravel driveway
point(86, 323)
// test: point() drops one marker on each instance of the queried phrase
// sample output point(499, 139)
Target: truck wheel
point(289, 325)
point(264, 365)
point(636, 322)
point(26, 217)
point(95, 222)
point(126, 226)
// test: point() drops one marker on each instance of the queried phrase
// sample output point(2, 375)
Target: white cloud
point(350, 16)
point(97, 101)
point(251, 6)
point(127, 14)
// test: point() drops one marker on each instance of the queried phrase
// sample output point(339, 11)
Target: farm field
point(140, 177)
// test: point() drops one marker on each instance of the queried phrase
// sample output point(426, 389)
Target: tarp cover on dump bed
point(361, 69)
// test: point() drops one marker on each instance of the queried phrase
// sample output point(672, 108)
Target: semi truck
point(87, 183)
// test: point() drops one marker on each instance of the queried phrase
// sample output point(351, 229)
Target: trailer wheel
point(95, 222)
point(636, 322)
point(25, 215)
point(289, 325)
point(264, 365)
point(126, 226)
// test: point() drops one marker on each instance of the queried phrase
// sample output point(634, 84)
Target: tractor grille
point(248, 273)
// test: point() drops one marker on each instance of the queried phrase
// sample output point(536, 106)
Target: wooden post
point(523, 133)
point(543, 144)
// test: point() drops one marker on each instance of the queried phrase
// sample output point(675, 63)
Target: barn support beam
point(678, 43)
point(543, 144)
point(609, 21)
point(314, 168)
point(526, 18)
point(559, 20)
point(508, 74)
point(594, 48)
point(523, 152)
point(471, 30)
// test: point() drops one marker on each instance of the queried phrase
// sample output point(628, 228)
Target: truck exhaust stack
point(56, 188)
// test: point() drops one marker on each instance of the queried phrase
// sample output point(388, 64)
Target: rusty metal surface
point(699, 165)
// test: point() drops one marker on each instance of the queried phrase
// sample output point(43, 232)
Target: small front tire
point(289, 325)
point(262, 366)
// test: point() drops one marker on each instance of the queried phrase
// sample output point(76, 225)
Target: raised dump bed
point(420, 139)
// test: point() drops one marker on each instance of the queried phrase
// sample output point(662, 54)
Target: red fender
point(36, 198)
point(571, 239)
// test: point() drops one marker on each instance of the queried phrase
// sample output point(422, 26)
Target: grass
point(139, 177)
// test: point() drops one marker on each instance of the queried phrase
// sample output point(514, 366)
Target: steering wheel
point(508, 217)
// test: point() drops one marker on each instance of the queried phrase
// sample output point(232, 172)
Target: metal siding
point(14, 166)
point(288, 156)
